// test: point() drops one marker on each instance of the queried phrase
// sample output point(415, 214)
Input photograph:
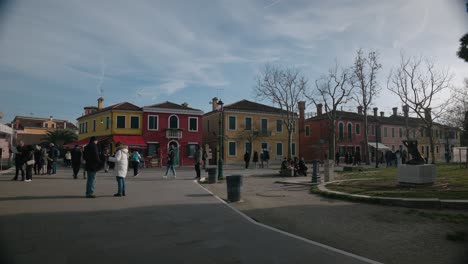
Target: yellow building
point(119, 122)
point(247, 126)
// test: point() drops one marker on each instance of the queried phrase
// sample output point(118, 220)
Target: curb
point(10, 170)
point(289, 234)
point(434, 203)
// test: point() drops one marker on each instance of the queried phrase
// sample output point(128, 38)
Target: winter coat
point(255, 156)
point(121, 161)
point(91, 156)
point(76, 156)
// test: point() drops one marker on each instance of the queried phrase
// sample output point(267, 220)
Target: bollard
point(234, 184)
point(212, 178)
point(315, 172)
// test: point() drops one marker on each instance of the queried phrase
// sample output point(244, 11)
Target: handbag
point(30, 162)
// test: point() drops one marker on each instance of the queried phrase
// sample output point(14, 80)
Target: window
point(293, 149)
point(86, 127)
point(191, 149)
point(193, 124)
point(134, 122)
point(372, 130)
point(400, 132)
point(437, 133)
point(350, 131)
point(53, 125)
point(264, 125)
point(341, 131)
point(108, 122)
point(153, 122)
point(385, 132)
point(279, 149)
point(307, 132)
point(393, 148)
point(248, 147)
point(173, 122)
point(279, 126)
point(46, 125)
point(94, 125)
point(232, 123)
point(393, 132)
point(232, 148)
point(120, 121)
point(248, 123)
point(358, 129)
point(208, 125)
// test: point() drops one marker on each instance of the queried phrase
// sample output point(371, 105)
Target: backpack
point(136, 156)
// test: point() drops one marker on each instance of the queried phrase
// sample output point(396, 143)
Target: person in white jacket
point(121, 167)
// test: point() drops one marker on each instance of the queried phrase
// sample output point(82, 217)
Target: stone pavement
point(159, 221)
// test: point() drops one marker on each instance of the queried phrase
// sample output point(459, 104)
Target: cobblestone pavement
point(383, 233)
point(48, 220)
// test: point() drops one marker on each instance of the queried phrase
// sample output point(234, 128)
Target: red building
point(168, 124)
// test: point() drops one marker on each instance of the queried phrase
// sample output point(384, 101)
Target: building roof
point(246, 105)
point(124, 106)
point(27, 121)
point(171, 105)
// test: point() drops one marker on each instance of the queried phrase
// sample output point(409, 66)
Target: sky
point(58, 56)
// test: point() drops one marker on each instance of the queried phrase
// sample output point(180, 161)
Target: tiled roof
point(124, 106)
point(170, 105)
point(246, 105)
point(26, 121)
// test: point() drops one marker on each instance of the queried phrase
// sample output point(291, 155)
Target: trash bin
point(315, 172)
point(234, 184)
point(212, 175)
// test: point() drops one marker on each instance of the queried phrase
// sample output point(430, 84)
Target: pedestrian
point(262, 159)
point(337, 158)
point(45, 160)
point(53, 156)
point(20, 155)
point(204, 158)
point(170, 162)
point(346, 157)
point(37, 160)
point(255, 159)
point(247, 159)
point(68, 158)
point(198, 162)
point(135, 162)
point(106, 159)
point(91, 156)
point(267, 158)
point(121, 166)
point(29, 160)
point(76, 160)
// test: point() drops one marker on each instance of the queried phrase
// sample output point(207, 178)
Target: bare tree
point(418, 83)
point(364, 80)
point(332, 90)
point(284, 87)
point(454, 115)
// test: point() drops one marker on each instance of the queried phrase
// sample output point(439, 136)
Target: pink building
point(168, 124)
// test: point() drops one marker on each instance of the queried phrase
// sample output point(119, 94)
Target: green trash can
point(212, 178)
point(234, 184)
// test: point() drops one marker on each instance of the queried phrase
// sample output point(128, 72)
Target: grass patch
point(456, 218)
point(451, 183)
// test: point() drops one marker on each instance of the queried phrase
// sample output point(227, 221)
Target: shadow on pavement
point(22, 198)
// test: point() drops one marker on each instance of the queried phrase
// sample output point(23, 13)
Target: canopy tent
point(131, 141)
point(379, 146)
point(84, 141)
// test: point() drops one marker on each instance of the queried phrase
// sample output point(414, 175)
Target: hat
point(93, 138)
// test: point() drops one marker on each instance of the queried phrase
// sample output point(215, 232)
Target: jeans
point(54, 167)
point(19, 167)
point(120, 184)
point(197, 170)
point(90, 182)
point(135, 167)
point(171, 167)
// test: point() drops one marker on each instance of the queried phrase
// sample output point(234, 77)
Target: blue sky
point(58, 56)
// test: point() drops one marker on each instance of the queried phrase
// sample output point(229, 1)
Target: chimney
point(51, 118)
point(406, 110)
point(427, 114)
point(319, 109)
point(395, 109)
point(382, 114)
point(301, 106)
point(100, 100)
point(214, 102)
point(359, 110)
point(375, 111)
point(185, 104)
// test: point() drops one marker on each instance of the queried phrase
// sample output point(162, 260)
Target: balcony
point(264, 133)
point(173, 133)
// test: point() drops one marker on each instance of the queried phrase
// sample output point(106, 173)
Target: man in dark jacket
point(247, 159)
point(76, 160)
point(91, 156)
point(53, 154)
point(19, 160)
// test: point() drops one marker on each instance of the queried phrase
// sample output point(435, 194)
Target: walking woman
point(170, 162)
point(121, 167)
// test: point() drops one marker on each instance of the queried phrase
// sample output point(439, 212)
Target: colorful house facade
point(247, 126)
point(169, 124)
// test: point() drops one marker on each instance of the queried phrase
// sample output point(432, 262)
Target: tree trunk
point(431, 144)
point(289, 143)
point(332, 140)
point(366, 139)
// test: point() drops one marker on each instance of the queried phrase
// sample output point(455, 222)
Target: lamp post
point(220, 146)
point(377, 129)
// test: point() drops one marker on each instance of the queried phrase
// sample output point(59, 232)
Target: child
point(121, 167)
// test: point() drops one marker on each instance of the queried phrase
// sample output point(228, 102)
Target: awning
point(84, 141)
point(131, 141)
point(379, 145)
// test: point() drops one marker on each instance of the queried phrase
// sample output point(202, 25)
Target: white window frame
point(229, 148)
point(191, 117)
point(169, 122)
point(157, 123)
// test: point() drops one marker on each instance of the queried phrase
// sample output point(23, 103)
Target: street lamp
point(220, 134)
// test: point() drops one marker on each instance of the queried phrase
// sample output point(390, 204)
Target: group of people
point(296, 165)
point(264, 159)
point(394, 158)
point(349, 158)
point(31, 158)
